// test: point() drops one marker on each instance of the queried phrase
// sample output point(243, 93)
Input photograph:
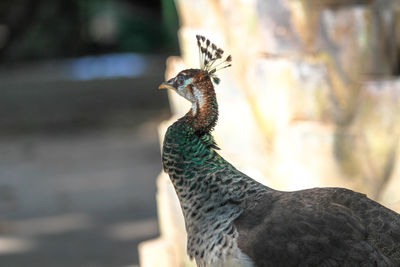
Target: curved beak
point(166, 85)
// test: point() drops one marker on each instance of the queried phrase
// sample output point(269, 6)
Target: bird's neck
point(210, 190)
point(203, 115)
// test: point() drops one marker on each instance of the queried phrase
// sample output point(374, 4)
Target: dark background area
point(43, 29)
point(79, 110)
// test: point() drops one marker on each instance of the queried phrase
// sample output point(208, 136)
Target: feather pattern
point(210, 57)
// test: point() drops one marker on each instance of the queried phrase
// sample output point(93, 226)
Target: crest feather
point(209, 55)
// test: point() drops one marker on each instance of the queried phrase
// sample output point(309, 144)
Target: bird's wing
point(305, 229)
point(381, 223)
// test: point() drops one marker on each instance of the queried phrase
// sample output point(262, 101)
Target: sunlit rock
point(282, 91)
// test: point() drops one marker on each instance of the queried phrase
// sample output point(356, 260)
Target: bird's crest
point(210, 57)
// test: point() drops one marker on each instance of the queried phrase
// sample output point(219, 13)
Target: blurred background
point(314, 89)
point(79, 109)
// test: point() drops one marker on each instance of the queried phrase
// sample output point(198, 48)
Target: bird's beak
point(166, 85)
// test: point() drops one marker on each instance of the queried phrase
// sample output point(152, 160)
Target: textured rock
point(304, 157)
point(277, 33)
point(390, 196)
point(198, 14)
point(283, 90)
point(159, 247)
point(378, 125)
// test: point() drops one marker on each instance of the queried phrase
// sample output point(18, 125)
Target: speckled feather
point(232, 220)
point(319, 227)
point(210, 191)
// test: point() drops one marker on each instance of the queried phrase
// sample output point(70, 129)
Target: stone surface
point(276, 30)
point(199, 13)
point(304, 157)
point(390, 196)
point(155, 252)
point(377, 127)
point(283, 90)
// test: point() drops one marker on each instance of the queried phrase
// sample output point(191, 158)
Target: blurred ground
point(78, 164)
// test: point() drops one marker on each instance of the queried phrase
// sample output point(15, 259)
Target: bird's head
point(197, 84)
point(188, 83)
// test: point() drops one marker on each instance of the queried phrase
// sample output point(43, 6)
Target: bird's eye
point(180, 80)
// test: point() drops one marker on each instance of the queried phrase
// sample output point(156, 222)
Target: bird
point(233, 220)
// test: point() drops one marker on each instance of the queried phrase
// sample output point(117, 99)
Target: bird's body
point(320, 227)
point(232, 220)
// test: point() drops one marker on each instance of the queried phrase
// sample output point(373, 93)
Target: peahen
point(232, 220)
